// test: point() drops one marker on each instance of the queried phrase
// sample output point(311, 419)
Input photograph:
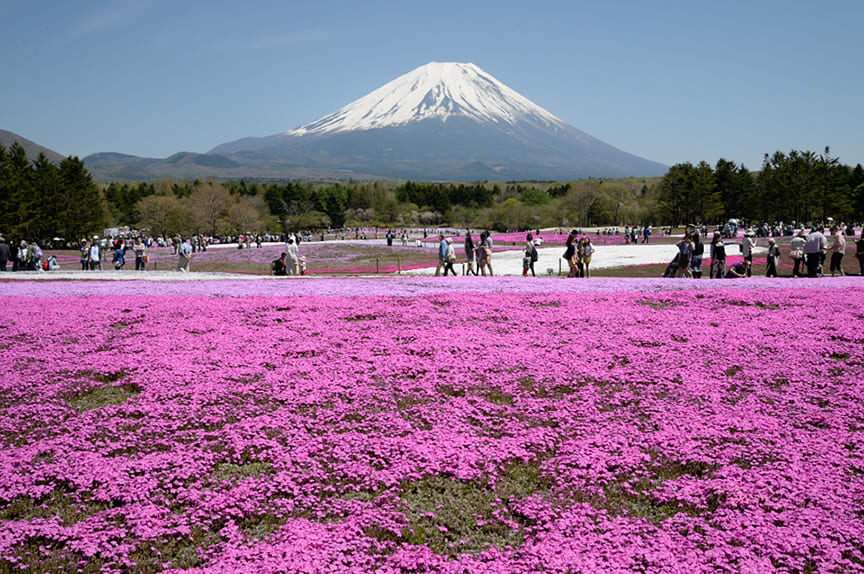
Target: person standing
point(813, 248)
point(837, 249)
point(95, 254)
point(5, 253)
point(84, 255)
point(292, 254)
point(484, 254)
point(470, 256)
point(140, 253)
point(747, 245)
point(773, 258)
point(718, 257)
point(585, 255)
point(184, 252)
point(34, 255)
point(796, 252)
point(570, 255)
point(859, 251)
point(529, 256)
point(696, 258)
point(685, 251)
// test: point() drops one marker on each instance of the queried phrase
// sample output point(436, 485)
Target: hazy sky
point(671, 81)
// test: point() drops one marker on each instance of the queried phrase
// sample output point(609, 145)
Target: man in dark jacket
point(5, 254)
point(278, 266)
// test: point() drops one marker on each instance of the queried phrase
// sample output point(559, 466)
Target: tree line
point(42, 200)
point(799, 186)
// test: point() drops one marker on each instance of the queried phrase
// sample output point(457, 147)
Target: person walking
point(449, 257)
point(837, 249)
point(184, 252)
point(470, 255)
point(529, 256)
point(813, 249)
point(796, 252)
point(442, 255)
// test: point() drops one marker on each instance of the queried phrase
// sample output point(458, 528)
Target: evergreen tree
point(81, 209)
point(41, 207)
point(18, 175)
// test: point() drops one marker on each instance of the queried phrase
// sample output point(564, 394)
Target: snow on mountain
point(436, 90)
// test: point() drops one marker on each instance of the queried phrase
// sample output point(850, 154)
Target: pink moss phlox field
point(704, 430)
point(330, 257)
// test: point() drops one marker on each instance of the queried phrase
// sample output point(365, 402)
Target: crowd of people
point(808, 251)
point(478, 256)
point(811, 249)
point(24, 255)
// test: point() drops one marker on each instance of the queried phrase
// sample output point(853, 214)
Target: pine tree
point(82, 209)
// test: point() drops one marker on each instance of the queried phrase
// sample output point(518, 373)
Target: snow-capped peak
point(436, 90)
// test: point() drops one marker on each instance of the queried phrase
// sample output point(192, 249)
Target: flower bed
point(457, 429)
point(328, 258)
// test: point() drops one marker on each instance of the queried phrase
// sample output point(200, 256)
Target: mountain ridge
point(440, 122)
point(31, 148)
point(445, 106)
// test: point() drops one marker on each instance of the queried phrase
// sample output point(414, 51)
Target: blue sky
point(671, 81)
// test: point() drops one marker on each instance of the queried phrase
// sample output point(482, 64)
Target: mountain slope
point(442, 121)
point(31, 148)
point(117, 166)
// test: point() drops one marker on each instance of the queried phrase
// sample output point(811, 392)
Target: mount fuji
point(442, 121)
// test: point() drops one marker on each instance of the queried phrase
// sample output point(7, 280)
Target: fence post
point(399, 266)
point(559, 267)
point(376, 266)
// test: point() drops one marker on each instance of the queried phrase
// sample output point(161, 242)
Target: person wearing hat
point(747, 245)
point(449, 257)
point(84, 254)
point(773, 258)
point(95, 254)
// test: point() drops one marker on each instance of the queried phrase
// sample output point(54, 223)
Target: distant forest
point(43, 200)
